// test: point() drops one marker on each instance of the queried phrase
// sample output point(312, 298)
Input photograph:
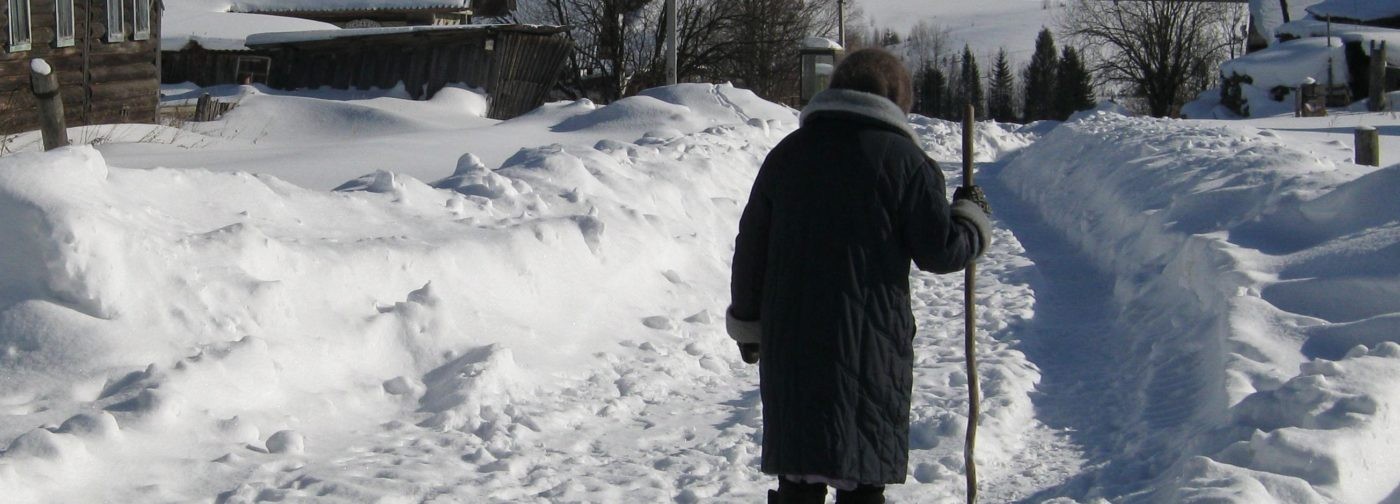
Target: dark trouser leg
point(863, 494)
point(790, 492)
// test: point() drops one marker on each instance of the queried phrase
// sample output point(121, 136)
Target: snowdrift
point(1256, 291)
point(215, 323)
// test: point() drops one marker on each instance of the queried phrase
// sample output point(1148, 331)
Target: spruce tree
point(1074, 90)
point(1001, 95)
point(971, 85)
point(1039, 77)
point(932, 86)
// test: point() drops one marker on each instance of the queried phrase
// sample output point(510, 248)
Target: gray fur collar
point(866, 104)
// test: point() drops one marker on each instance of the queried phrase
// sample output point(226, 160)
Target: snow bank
point(1256, 287)
point(214, 325)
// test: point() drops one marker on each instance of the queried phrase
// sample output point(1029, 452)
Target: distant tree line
point(1052, 86)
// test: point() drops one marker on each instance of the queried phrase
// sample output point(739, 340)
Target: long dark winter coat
point(822, 262)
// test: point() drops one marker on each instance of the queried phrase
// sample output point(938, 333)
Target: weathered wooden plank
point(123, 73)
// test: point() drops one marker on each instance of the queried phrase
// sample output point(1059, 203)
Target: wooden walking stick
point(970, 325)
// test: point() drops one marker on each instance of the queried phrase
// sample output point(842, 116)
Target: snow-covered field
point(531, 310)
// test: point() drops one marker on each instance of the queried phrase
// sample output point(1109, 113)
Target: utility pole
point(841, 22)
point(671, 42)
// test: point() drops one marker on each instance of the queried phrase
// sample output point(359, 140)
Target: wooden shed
point(517, 65)
point(207, 48)
point(106, 54)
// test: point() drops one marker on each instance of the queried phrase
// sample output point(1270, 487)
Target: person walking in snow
point(820, 285)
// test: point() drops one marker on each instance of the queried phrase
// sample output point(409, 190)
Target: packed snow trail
point(649, 429)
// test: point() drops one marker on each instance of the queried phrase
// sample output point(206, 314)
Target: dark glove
point(746, 333)
point(974, 194)
point(748, 352)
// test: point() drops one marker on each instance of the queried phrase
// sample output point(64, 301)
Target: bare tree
point(926, 41)
point(1164, 51)
point(618, 43)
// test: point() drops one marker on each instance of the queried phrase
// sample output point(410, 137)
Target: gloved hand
point(974, 194)
point(749, 352)
point(746, 333)
point(970, 206)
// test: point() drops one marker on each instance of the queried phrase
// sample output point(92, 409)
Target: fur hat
point(876, 71)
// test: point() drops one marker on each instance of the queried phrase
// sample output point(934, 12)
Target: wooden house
point(516, 65)
point(106, 54)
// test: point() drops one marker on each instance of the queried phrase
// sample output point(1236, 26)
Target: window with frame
point(63, 14)
point(116, 16)
point(20, 29)
point(141, 20)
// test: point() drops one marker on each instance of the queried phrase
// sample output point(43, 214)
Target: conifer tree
point(1074, 90)
point(1001, 95)
point(1039, 77)
point(932, 87)
point(970, 85)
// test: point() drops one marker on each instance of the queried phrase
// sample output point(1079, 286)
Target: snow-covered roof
point(226, 31)
point(1267, 15)
point(1365, 35)
point(344, 5)
point(259, 39)
point(1360, 10)
point(820, 43)
point(1311, 27)
point(1290, 63)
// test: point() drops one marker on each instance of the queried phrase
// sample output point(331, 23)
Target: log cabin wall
point(517, 71)
point(101, 81)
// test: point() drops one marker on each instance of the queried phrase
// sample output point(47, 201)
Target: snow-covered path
point(639, 431)
point(525, 311)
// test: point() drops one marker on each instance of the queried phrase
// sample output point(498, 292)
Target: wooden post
point(201, 108)
point(1368, 146)
point(1377, 101)
point(44, 83)
point(974, 395)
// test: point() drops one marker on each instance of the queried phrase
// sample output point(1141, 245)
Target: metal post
point(974, 395)
point(671, 42)
point(44, 83)
point(841, 22)
point(1368, 146)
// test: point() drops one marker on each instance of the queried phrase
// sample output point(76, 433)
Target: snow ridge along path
point(531, 311)
point(543, 328)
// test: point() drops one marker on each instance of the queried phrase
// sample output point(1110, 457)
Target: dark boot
point(790, 492)
point(863, 494)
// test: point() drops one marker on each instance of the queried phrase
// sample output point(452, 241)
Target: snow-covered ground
point(531, 310)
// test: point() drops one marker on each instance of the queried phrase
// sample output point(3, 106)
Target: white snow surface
point(1360, 10)
point(225, 31)
point(541, 328)
point(1255, 291)
point(531, 310)
point(1290, 63)
point(1268, 15)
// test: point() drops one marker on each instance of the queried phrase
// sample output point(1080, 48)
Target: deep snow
point(530, 310)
